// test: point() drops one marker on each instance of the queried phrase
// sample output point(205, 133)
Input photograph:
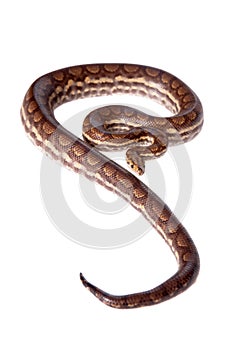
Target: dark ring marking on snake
point(120, 126)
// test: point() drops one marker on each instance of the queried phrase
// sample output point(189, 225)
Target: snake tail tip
point(93, 289)
point(83, 279)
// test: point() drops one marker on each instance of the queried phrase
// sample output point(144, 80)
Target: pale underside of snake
point(119, 126)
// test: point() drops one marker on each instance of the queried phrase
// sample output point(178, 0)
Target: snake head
point(135, 161)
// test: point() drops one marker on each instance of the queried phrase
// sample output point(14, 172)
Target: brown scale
point(56, 88)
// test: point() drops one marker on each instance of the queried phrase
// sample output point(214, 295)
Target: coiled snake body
point(117, 126)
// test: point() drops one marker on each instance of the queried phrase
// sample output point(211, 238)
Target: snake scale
point(116, 124)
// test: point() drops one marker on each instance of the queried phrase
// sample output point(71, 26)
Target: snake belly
point(64, 85)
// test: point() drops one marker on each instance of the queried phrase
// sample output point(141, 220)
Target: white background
point(42, 302)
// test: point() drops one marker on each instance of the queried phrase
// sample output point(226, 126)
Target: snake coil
point(121, 126)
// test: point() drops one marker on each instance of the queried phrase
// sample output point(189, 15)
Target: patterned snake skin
point(117, 126)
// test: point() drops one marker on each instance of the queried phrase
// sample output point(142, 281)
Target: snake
point(144, 136)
